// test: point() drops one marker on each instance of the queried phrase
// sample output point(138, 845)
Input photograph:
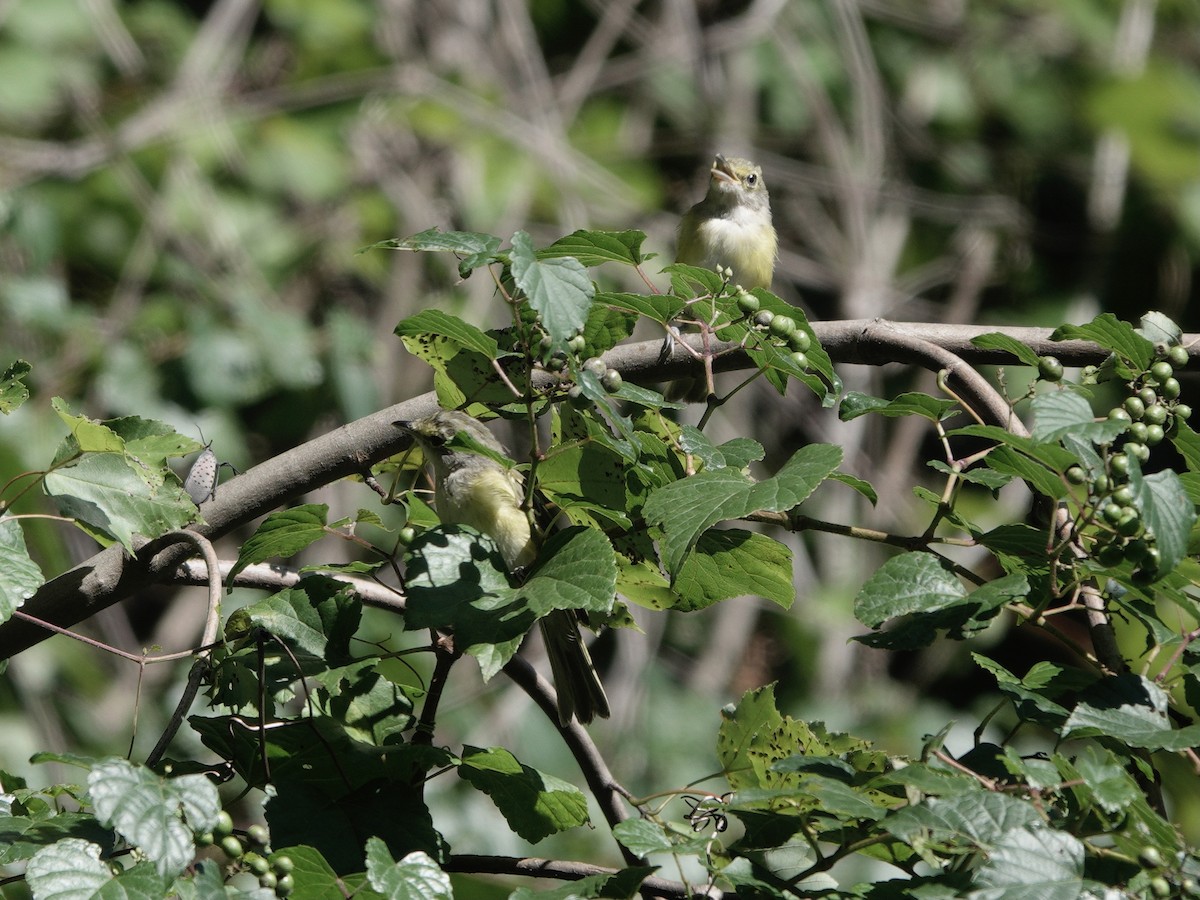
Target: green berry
point(764, 318)
point(1124, 496)
point(577, 344)
point(1183, 412)
point(1130, 523)
point(1156, 414)
point(1161, 371)
point(283, 865)
point(1178, 356)
point(1148, 395)
point(747, 303)
point(782, 327)
point(595, 365)
point(406, 535)
point(256, 863)
point(1149, 857)
point(1170, 388)
point(1139, 450)
point(1100, 483)
point(286, 885)
point(268, 880)
point(232, 847)
point(224, 824)
point(1076, 475)
point(1112, 513)
point(1110, 555)
point(799, 340)
point(1050, 369)
point(800, 358)
point(1154, 435)
point(258, 835)
point(1119, 464)
point(204, 839)
point(1138, 431)
point(1135, 407)
point(611, 381)
point(1117, 414)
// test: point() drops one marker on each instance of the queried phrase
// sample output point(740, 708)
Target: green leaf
point(463, 358)
point(1103, 778)
point(1008, 461)
point(1159, 329)
point(687, 508)
point(23, 836)
point(997, 340)
point(1061, 414)
point(69, 869)
point(283, 534)
point(371, 708)
point(457, 579)
point(734, 454)
point(1113, 335)
point(336, 818)
point(418, 330)
point(661, 308)
point(575, 569)
point(979, 818)
point(643, 837)
point(13, 391)
point(1169, 513)
point(315, 620)
point(1031, 863)
point(1132, 709)
point(908, 583)
point(416, 877)
point(733, 563)
point(89, 435)
point(591, 248)
point(1187, 442)
point(855, 404)
point(534, 804)
point(559, 289)
point(474, 249)
point(106, 493)
point(20, 576)
point(157, 815)
point(754, 738)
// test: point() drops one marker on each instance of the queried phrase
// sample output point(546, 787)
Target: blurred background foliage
point(184, 187)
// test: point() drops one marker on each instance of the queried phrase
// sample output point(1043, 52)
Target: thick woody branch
point(112, 575)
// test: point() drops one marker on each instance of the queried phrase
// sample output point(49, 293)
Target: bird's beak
point(721, 171)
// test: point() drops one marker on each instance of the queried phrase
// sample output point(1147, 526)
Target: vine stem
point(212, 626)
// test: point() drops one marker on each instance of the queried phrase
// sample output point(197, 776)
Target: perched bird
point(475, 490)
point(731, 227)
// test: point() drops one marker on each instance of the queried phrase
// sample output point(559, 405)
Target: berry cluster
point(273, 874)
point(1152, 411)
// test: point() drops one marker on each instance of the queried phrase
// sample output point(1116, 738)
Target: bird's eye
point(751, 179)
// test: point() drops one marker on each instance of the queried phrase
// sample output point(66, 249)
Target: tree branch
point(110, 576)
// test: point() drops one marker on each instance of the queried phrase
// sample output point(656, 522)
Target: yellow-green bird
point(731, 228)
point(476, 490)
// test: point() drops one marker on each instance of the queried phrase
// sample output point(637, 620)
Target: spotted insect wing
point(201, 482)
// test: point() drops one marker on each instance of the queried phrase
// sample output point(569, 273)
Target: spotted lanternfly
point(201, 481)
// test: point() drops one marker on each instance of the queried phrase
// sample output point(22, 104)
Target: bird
point(730, 228)
point(475, 490)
